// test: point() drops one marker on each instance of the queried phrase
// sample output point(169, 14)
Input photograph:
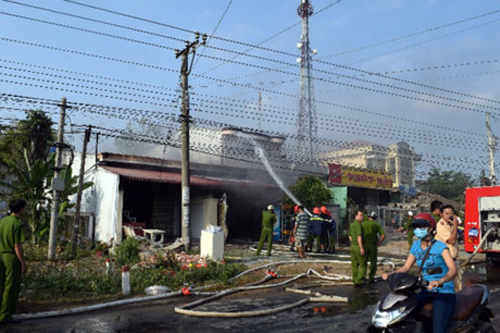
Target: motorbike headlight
point(382, 319)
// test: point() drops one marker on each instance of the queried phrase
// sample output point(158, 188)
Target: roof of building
point(155, 176)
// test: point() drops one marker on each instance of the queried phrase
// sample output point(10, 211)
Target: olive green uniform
point(372, 231)
point(11, 234)
point(409, 233)
point(358, 262)
point(268, 221)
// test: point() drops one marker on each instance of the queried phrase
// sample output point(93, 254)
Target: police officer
point(12, 263)
point(358, 258)
point(374, 236)
point(268, 221)
point(409, 230)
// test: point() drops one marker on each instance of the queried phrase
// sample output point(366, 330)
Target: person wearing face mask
point(438, 270)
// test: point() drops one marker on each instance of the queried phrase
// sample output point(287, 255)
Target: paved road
point(159, 316)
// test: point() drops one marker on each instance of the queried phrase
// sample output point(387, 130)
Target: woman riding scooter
point(438, 270)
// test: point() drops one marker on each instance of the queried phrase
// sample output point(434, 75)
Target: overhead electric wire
point(221, 80)
point(284, 72)
point(423, 42)
point(219, 107)
point(441, 157)
point(215, 29)
point(411, 35)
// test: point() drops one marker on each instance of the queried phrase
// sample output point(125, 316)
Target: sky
point(424, 72)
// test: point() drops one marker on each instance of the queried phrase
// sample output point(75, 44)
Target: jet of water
point(260, 153)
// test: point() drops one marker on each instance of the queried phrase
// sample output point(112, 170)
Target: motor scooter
point(397, 311)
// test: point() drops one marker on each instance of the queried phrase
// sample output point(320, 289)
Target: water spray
point(260, 153)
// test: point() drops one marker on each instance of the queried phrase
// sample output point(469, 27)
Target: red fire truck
point(482, 221)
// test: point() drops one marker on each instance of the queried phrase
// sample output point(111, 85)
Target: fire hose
point(186, 309)
point(477, 248)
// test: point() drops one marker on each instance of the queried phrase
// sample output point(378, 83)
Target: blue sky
point(420, 71)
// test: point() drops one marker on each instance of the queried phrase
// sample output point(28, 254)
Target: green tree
point(36, 134)
point(33, 134)
point(310, 191)
point(449, 184)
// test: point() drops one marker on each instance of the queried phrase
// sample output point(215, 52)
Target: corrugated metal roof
point(158, 176)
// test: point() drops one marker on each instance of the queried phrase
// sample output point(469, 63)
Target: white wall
point(107, 206)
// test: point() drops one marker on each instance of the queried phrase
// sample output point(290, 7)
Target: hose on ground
point(187, 308)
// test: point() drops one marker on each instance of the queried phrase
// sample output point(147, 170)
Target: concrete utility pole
point(492, 145)
point(185, 118)
point(76, 226)
point(57, 182)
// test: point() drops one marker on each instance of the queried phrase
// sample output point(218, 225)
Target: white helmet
point(270, 207)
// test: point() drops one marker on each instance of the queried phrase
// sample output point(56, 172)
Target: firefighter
point(329, 229)
point(358, 258)
point(374, 236)
point(315, 230)
point(268, 221)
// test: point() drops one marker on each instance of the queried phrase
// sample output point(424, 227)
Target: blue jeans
point(443, 307)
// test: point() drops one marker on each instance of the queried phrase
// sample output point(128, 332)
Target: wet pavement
point(159, 316)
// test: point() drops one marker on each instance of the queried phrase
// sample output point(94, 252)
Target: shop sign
point(341, 175)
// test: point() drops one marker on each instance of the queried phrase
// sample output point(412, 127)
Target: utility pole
point(57, 182)
point(492, 145)
point(185, 118)
point(76, 226)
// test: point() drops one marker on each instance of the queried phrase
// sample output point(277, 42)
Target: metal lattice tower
point(306, 113)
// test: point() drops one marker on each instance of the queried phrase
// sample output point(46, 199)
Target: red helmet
point(316, 211)
point(323, 209)
point(422, 220)
point(296, 208)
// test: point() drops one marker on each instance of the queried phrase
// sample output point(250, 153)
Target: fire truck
point(482, 221)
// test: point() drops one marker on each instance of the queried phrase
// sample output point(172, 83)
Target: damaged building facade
point(146, 191)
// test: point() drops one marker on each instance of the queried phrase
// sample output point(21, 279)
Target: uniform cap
point(270, 207)
point(373, 215)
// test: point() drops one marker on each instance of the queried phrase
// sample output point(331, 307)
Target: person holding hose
point(374, 236)
point(268, 221)
point(358, 258)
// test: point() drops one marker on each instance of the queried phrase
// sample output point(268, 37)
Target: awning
point(159, 176)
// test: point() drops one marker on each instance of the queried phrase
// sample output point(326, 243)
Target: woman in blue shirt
point(438, 270)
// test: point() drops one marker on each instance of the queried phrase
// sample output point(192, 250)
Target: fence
point(392, 219)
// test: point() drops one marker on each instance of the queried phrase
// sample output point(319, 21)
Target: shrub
point(127, 253)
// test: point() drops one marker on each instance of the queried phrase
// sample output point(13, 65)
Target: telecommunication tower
point(306, 115)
